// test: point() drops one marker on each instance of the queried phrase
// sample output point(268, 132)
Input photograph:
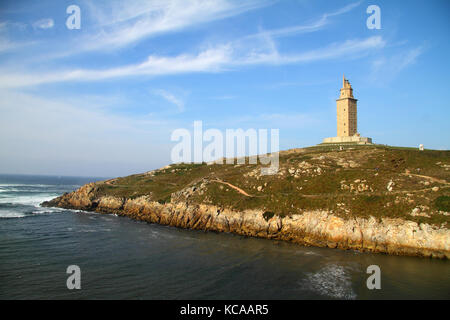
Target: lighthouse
point(347, 117)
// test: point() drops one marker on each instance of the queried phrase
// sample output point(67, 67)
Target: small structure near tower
point(347, 118)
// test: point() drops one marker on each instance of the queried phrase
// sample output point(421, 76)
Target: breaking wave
point(21, 200)
point(7, 214)
point(333, 281)
point(32, 200)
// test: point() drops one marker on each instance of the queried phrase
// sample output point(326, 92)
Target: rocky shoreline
point(312, 228)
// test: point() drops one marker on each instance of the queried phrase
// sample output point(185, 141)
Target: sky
point(103, 100)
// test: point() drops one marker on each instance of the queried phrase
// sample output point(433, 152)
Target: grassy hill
point(358, 181)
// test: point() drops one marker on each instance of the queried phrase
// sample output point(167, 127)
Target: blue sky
point(104, 99)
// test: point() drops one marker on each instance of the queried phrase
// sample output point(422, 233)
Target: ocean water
point(124, 259)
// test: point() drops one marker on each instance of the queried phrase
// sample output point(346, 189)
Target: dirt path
point(234, 187)
point(345, 195)
point(426, 177)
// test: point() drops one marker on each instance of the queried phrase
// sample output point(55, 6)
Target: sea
point(120, 258)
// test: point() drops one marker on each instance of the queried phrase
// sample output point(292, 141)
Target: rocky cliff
point(201, 198)
point(316, 228)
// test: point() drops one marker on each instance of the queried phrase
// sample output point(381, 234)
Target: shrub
point(442, 203)
point(372, 198)
point(165, 200)
point(268, 215)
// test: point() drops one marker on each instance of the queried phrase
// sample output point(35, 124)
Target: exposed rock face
point(83, 199)
point(315, 228)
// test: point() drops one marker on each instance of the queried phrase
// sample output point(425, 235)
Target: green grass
point(286, 195)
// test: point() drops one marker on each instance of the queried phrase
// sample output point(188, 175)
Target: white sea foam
point(333, 281)
point(25, 185)
point(11, 214)
point(38, 185)
point(306, 253)
point(34, 200)
point(46, 210)
point(94, 230)
point(311, 253)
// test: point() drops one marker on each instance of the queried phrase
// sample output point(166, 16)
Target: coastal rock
point(80, 199)
point(316, 228)
point(108, 203)
point(390, 186)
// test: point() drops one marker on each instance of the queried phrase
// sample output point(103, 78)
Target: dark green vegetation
point(443, 203)
point(352, 183)
point(268, 215)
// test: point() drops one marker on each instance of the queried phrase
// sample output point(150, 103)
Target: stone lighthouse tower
point(346, 111)
point(347, 118)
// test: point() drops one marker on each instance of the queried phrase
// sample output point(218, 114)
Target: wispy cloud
point(388, 68)
point(124, 23)
point(170, 98)
point(6, 44)
point(44, 24)
point(347, 49)
point(206, 61)
point(306, 28)
point(222, 58)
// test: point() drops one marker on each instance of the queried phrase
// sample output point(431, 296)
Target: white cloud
point(306, 28)
point(170, 98)
point(343, 10)
point(349, 49)
point(221, 58)
point(6, 44)
point(44, 24)
point(206, 61)
point(387, 68)
point(124, 23)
